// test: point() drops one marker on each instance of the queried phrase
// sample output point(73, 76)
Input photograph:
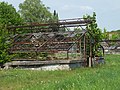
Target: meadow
point(101, 77)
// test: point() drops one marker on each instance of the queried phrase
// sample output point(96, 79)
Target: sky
point(107, 11)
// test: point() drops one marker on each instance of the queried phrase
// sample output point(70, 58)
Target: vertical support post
point(85, 49)
point(67, 54)
point(90, 58)
point(80, 48)
point(36, 55)
point(80, 44)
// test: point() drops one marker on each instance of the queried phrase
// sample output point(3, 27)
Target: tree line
point(111, 35)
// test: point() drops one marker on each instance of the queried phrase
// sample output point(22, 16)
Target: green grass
point(102, 77)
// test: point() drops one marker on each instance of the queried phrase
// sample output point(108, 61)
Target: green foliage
point(112, 35)
point(55, 17)
point(77, 29)
point(93, 28)
point(42, 56)
point(95, 33)
point(118, 31)
point(115, 37)
point(103, 77)
point(34, 11)
point(4, 45)
point(8, 14)
point(105, 34)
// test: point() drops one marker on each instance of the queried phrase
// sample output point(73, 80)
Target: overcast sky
point(108, 11)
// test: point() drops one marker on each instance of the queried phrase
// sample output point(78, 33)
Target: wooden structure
point(64, 36)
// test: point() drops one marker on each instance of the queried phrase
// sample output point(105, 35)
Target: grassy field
point(102, 77)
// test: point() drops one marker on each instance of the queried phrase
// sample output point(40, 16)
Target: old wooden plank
point(27, 63)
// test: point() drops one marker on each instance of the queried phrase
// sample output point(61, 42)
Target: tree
point(115, 36)
point(93, 27)
point(105, 34)
point(4, 45)
point(8, 14)
point(34, 11)
point(55, 16)
point(54, 19)
point(95, 33)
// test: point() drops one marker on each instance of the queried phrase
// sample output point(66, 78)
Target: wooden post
point(67, 54)
point(90, 58)
point(85, 49)
point(80, 49)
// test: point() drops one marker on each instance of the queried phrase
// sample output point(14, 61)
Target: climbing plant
point(95, 34)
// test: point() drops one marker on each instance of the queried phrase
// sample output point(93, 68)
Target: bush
point(4, 46)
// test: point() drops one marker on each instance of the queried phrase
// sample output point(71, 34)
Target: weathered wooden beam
point(49, 62)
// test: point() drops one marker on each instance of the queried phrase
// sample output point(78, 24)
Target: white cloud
point(73, 7)
point(86, 8)
point(66, 7)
